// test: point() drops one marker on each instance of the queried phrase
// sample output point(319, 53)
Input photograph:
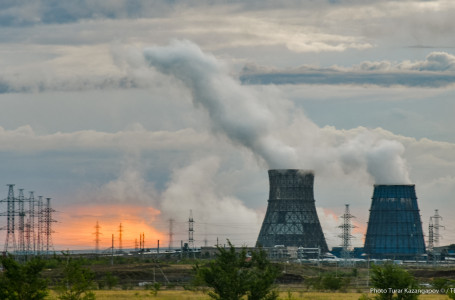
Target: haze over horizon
point(138, 112)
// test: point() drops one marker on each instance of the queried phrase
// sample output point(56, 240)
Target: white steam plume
point(275, 131)
point(233, 109)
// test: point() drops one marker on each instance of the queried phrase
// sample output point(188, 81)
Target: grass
point(189, 295)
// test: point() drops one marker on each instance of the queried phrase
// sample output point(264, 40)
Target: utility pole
point(112, 250)
point(191, 231)
point(171, 233)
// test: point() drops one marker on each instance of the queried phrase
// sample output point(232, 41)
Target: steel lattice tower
point(431, 236)
point(436, 227)
point(120, 232)
point(40, 231)
point(10, 242)
point(21, 225)
point(97, 237)
point(346, 235)
point(31, 235)
point(48, 220)
point(291, 218)
point(191, 231)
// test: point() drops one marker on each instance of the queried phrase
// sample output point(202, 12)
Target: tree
point(110, 280)
point(233, 275)
point(76, 283)
point(22, 282)
point(392, 280)
point(262, 277)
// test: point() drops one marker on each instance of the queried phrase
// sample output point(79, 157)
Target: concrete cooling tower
point(291, 218)
point(394, 227)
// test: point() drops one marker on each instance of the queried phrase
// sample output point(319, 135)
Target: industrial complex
point(290, 229)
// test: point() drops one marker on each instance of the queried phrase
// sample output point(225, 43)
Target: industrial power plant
point(394, 227)
point(291, 223)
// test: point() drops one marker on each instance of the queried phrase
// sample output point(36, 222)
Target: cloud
point(25, 139)
point(437, 70)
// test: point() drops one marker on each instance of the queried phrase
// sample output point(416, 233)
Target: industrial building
point(394, 227)
point(291, 219)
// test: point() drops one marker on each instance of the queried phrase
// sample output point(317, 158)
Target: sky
point(138, 112)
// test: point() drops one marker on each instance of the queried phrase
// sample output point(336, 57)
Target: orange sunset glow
point(75, 228)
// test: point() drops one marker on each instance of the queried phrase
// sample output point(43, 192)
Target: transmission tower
point(21, 225)
point(31, 236)
point(431, 236)
point(10, 242)
point(436, 227)
point(120, 231)
point(171, 232)
point(97, 237)
point(191, 231)
point(40, 231)
point(48, 220)
point(345, 235)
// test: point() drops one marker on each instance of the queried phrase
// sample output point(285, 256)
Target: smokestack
point(291, 218)
point(394, 227)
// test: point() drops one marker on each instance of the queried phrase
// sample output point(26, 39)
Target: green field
point(189, 295)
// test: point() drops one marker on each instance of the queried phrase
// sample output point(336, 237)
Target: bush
point(155, 288)
point(110, 280)
point(76, 283)
point(393, 277)
point(22, 281)
point(232, 275)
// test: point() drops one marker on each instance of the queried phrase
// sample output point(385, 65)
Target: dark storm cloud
point(437, 70)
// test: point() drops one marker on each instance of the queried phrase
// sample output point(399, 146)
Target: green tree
point(76, 283)
point(390, 278)
point(233, 275)
point(155, 288)
point(22, 282)
point(262, 277)
point(110, 280)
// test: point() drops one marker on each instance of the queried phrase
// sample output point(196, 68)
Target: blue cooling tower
point(394, 228)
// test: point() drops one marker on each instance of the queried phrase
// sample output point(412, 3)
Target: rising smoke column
point(240, 114)
point(233, 109)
